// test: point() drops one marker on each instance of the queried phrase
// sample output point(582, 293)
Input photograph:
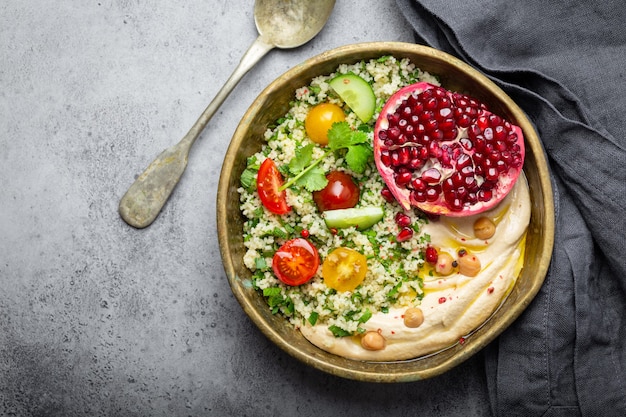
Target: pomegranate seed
point(457, 179)
point(437, 134)
point(482, 122)
point(404, 178)
point(404, 156)
point(432, 194)
point(499, 132)
point(387, 195)
point(385, 157)
point(430, 104)
point(464, 120)
point(394, 133)
point(488, 134)
point(405, 234)
point(467, 171)
point(418, 184)
point(395, 158)
point(416, 163)
point(431, 176)
point(418, 196)
point(431, 255)
point(491, 174)
point(463, 161)
point(494, 120)
point(456, 204)
point(402, 219)
point(444, 114)
point(304, 233)
point(484, 195)
point(467, 144)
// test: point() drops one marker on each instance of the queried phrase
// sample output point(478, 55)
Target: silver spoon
point(281, 24)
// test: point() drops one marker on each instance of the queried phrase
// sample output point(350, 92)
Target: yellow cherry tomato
point(320, 119)
point(344, 269)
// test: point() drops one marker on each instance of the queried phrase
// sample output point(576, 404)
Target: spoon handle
point(145, 198)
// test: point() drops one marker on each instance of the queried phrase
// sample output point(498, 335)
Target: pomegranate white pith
point(445, 152)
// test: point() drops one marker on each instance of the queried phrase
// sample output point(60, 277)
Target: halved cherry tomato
point(320, 119)
point(344, 269)
point(340, 193)
point(296, 261)
point(268, 181)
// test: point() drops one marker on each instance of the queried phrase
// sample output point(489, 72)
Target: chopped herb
point(338, 331)
point(260, 264)
point(365, 316)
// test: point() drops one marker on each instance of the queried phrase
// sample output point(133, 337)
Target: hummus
point(455, 305)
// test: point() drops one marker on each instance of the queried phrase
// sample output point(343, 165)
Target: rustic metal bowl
point(272, 103)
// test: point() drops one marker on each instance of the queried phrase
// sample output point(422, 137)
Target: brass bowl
point(272, 103)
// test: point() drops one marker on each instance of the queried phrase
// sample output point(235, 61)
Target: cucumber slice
point(361, 218)
point(356, 93)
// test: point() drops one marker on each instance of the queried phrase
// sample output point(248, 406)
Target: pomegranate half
point(445, 152)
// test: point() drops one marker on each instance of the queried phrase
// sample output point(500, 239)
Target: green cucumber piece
point(356, 93)
point(361, 218)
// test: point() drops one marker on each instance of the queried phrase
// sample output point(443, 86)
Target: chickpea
point(484, 228)
point(373, 340)
point(413, 317)
point(445, 264)
point(469, 264)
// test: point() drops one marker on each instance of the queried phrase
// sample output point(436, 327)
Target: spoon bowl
point(281, 24)
point(289, 24)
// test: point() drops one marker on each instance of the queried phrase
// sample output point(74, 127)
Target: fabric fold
point(563, 62)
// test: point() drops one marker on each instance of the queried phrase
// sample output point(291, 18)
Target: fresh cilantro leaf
point(313, 180)
point(340, 137)
point(303, 158)
point(357, 158)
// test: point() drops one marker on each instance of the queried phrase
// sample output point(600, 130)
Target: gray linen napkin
point(564, 62)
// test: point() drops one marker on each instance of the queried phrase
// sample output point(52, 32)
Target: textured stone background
point(99, 319)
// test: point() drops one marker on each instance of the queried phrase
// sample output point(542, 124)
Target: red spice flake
point(490, 290)
point(333, 230)
point(393, 332)
point(442, 300)
point(461, 340)
point(304, 233)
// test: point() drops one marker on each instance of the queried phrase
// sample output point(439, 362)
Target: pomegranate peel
point(445, 152)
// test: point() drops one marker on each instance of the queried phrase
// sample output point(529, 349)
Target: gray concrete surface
point(100, 319)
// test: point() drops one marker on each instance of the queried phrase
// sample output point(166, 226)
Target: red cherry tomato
point(340, 193)
point(268, 182)
point(296, 261)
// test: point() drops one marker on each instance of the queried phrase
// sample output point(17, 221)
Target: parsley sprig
point(341, 137)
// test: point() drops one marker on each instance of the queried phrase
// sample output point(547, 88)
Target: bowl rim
point(343, 369)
